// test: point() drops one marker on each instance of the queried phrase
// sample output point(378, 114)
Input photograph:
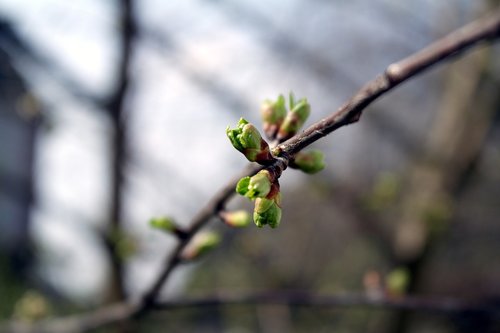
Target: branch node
point(394, 72)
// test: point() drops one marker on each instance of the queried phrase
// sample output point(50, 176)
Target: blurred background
point(113, 112)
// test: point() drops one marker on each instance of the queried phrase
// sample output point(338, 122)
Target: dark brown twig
point(123, 311)
point(456, 42)
point(211, 209)
point(117, 108)
point(305, 299)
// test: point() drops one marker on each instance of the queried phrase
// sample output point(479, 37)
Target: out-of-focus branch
point(22, 52)
point(78, 323)
point(116, 108)
point(305, 299)
point(123, 311)
point(480, 30)
point(455, 140)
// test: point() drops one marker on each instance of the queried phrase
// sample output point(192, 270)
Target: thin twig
point(75, 324)
point(116, 107)
point(123, 311)
point(211, 209)
point(305, 299)
point(456, 42)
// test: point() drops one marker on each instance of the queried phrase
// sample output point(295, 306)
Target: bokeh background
point(111, 115)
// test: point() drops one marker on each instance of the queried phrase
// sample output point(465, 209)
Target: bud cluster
point(273, 113)
point(280, 124)
point(263, 188)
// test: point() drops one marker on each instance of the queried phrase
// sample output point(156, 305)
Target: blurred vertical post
point(117, 109)
point(19, 119)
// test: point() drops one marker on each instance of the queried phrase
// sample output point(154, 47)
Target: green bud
point(237, 219)
point(299, 111)
point(247, 140)
point(273, 114)
point(167, 225)
point(201, 244)
point(257, 186)
point(244, 136)
point(163, 223)
point(126, 246)
point(32, 306)
point(311, 161)
point(397, 281)
point(267, 211)
point(242, 186)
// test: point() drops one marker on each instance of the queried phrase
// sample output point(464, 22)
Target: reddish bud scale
point(264, 157)
point(284, 134)
point(271, 130)
point(275, 190)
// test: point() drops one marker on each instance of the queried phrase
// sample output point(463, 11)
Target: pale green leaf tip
point(162, 223)
point(237, 219)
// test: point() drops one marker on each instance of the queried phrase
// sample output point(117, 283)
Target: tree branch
point(123, 311)
point(305, 299)
point(117, 109)
point(456, 42)
point(75, 324)
point(211, 209)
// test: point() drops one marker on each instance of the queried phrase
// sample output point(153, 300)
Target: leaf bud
point(397, 281)
point(273, 113)
point(247, 140)
point(163, 223)
point(310, 161)
point(201, 244)
point(267, 211)
point(32, 306)
point(257, 186)
point(237, 219)
point(299, 112)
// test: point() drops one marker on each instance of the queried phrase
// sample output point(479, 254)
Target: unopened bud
point(167, 225)
point(32, 306)
point(257, 186)
point(397, 281)
point(237, 219)
point(294, 119)
point(201, 244)
point(126, 246)
point(310, 161)
point(163, 223)
point(247, 140)
point(267, 211)
point(273, 114)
